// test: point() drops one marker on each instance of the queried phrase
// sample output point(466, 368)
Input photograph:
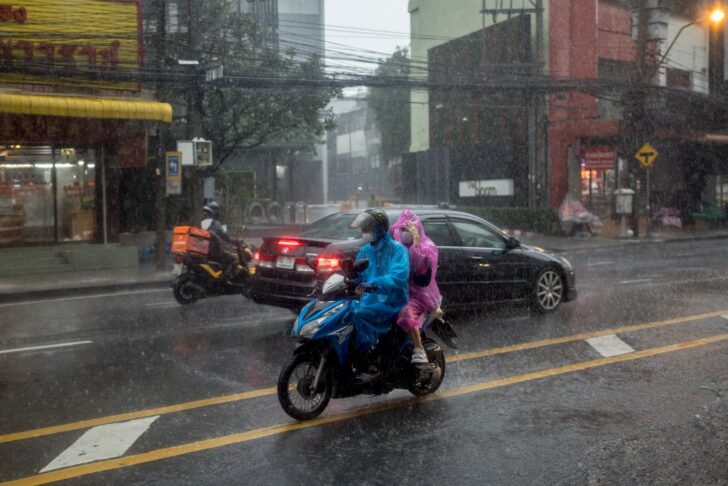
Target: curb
point(638, 241)
point(89, 290)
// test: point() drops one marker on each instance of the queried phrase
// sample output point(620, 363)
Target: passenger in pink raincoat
point(424, 294)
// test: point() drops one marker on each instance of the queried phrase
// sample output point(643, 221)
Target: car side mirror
point(512, 243)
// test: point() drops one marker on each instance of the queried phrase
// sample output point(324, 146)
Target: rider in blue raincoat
point(384, 288)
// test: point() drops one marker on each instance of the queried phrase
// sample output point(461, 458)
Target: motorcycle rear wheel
point(183, 292)
point(422, 388)
point(295, 392)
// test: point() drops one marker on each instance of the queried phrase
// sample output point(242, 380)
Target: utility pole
point(638, 129)
point(194, 115)
point(160, 206)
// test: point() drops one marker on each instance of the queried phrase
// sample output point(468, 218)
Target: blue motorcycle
point(323, 366)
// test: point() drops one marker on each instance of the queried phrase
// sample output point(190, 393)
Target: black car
point(478, 264)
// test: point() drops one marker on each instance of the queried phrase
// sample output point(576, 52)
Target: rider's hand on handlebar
point(365, 289)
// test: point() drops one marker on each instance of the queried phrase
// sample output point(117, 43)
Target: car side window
point(439, 232)
point(476, 235)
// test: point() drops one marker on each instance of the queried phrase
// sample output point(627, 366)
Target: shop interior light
point(50, 166)
point(16, 166)
point(81, 162)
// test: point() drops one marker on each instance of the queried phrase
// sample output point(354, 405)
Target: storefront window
point(596, 184)
point(75, 175)
point(28, 185)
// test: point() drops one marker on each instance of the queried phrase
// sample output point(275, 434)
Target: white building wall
point(435, 22)
point(690, 53)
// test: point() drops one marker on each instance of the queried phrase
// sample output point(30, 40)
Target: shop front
point(598, 177)
point(59, 173)
point(74, 120)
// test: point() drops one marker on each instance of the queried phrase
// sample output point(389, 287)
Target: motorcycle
point(197, 276)
point(322, 367)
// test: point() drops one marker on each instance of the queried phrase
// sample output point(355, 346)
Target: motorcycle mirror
point(360, 265)
point(347, 266)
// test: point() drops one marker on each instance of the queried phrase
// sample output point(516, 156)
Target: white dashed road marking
point(610, 345)
point(640, 280)
point(598, 264)
point(47, 346)
point(102, 442)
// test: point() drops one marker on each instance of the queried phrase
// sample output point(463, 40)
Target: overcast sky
point(381, 15)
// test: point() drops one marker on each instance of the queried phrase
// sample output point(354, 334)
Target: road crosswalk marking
point(610, 345)
point(103, 442)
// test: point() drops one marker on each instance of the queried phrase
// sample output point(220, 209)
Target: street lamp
point(716, 17)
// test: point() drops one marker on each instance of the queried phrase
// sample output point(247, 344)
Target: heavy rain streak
point(376, 242)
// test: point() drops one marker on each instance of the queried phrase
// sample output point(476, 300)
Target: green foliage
point(524, 219)
point(391, 105)
point(237, 191)
point(236, 118)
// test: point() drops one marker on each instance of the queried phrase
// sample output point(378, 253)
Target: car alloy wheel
point(549, 290)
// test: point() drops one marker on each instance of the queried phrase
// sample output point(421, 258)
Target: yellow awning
point(78, 107)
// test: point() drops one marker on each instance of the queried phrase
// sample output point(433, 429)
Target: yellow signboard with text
point(62, 43)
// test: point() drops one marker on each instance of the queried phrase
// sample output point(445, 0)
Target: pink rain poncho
point(422, 300)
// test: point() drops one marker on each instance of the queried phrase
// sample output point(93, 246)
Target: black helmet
point(212, 209)
point(373, 221)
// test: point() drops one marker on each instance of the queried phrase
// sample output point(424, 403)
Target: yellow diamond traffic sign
point(647, 155)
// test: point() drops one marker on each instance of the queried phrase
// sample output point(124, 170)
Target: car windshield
point(333, 227)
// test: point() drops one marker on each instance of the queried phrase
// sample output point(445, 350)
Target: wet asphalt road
point(537, 410)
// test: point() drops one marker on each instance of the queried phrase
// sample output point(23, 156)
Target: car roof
point(418, 211)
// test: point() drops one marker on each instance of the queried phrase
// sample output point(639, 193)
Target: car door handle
point(477, 258)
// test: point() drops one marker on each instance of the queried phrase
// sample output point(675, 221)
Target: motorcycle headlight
point(313, 327)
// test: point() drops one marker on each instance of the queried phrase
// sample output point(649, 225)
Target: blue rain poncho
point(388, 269)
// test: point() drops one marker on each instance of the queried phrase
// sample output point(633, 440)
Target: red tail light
point(289, 243)
point(327, 264)
point(263, 260)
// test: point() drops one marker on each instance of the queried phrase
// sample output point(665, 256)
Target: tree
point(237, 118)
point(391, 105)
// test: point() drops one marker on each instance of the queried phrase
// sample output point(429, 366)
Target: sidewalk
point(565, 244)
point(147, 276)
point(77, 283)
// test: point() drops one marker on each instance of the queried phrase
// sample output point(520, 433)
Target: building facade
point(74, 120)
point(354, 159)
point(579, 141)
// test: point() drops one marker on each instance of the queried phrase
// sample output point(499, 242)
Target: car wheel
point(548, 291)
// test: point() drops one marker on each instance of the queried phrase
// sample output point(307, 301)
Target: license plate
point(286, 263)
point(177, 270)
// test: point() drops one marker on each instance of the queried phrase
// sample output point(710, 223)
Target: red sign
point(599, 158)
point(8, 13)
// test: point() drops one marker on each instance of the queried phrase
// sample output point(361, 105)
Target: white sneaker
point(419, 356)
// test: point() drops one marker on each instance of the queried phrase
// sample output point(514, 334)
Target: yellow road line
point(203, 445)
point(181, 407)
point(581, 337)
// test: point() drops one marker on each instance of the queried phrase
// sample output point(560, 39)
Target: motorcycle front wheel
point(295, 388)
point(184, 293)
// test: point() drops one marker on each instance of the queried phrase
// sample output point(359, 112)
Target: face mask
point(407, 238)
point(367, 237)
